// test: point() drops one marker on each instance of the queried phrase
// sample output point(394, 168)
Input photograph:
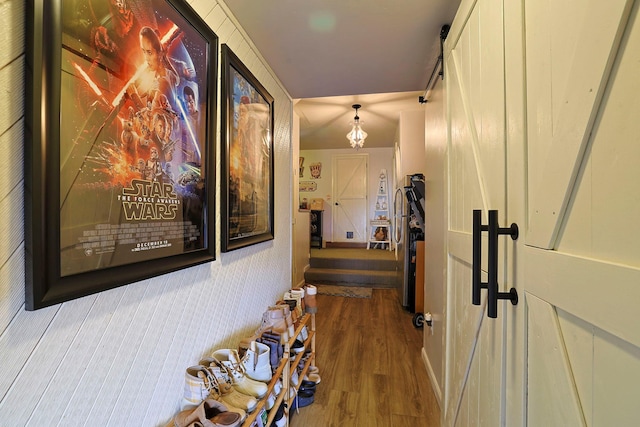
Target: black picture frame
point(247, 155)
point(119, 155)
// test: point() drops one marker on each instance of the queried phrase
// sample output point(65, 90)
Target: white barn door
point(476, 367)
point(582, 253)
point(557, 152)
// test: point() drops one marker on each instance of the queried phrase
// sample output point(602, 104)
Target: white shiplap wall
point(118, 358)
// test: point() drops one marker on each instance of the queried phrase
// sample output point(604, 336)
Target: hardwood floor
point(369, 356)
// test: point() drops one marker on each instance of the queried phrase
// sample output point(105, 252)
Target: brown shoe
point(210, 413)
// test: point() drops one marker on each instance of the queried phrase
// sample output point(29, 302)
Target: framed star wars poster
point(247, 156)
point(120, 144)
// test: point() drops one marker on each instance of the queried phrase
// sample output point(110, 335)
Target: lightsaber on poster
point(190, 130)
point(91, 83)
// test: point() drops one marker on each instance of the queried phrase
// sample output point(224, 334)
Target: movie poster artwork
point(249, 161)
point(133, 140)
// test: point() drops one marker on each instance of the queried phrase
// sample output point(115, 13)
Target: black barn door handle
point(476, 265)
point(492, 284)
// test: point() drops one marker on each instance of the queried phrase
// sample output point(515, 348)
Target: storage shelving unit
point(380, 222)
point(284, 372)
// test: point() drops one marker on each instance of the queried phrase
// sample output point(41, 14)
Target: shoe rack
point(284, 372)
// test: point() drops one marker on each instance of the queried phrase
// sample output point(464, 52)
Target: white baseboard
point(435, 385)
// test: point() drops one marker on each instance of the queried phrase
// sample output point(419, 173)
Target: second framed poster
point(247, 155)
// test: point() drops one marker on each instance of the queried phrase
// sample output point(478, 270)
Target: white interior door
point(350, 207)
point(582, 259)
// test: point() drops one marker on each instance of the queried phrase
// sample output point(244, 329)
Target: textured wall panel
point(118, 358)
point(12, 42)
point(12, 99)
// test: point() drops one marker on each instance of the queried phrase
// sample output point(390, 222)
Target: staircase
point(353, 267)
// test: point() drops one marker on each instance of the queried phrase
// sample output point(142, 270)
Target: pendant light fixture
point(357, 136)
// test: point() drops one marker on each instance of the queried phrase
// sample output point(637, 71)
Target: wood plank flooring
point(369, 356)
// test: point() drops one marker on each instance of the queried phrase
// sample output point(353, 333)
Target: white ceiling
point(324, 122)
point(330, 54)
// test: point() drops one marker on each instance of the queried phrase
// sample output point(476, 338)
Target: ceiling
point(324, 122)
point(331, 54)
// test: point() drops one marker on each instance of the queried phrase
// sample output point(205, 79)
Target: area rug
point(344, 291)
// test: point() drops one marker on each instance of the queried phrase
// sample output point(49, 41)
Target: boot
point(284, 311)
point(310, 299)
point(275, 349)
point(275, 320)
point(230, 360)
point(256, 362)
point(200, 385)
point(298, 296)
point(227, 394)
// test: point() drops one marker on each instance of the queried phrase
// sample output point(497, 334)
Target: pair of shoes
point(229, 360)
point(235, 392)
point(305, 391)
point(285, 309)
point(201, 384)
point(210, 413)
point(303, 398)
point(222, 384)
point(276, 319)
